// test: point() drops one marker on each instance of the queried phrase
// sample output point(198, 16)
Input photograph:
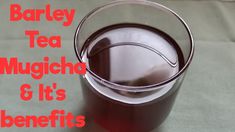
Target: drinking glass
point(132, 107)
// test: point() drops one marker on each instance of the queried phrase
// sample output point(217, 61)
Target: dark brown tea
point(131, 55)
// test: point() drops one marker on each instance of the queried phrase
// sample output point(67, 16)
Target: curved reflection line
point(172, 64)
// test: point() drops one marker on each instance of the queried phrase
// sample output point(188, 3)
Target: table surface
point(206, 101)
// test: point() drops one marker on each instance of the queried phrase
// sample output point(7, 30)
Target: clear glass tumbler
point(137, 54)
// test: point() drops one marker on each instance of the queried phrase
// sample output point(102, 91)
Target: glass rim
point(134, 88)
